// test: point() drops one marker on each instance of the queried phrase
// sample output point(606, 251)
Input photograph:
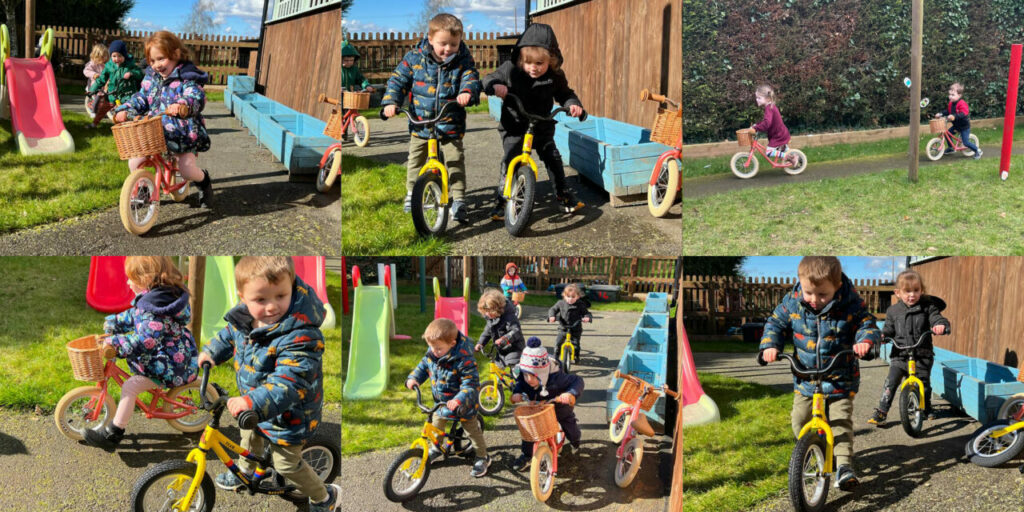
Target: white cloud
point(139, 24)
point(885, 267)
point(239, 8)
point(359, 26)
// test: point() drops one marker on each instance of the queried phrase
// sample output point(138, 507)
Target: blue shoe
point(977, 156)
point(332, 503)
point(459, 211)
point(229, 482)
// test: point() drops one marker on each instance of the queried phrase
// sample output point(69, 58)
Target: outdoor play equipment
point(455, 309)
point(33, 99)
point(107, 289)
point(698, 407)
point(372, 328)
point(638, 395)
point(744, 164)
point(219, 295)
point(937, 146)
point(313, 270)
point(666, 177)
point(1011, 111)
point(330, 163)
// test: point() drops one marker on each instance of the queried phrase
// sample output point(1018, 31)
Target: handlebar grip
point(204, 402)
point(382, 116)
point(670, 393)
point(248, 420)
point(583, 116)
point(760, 358)
point(325, 99)
point(658, 97)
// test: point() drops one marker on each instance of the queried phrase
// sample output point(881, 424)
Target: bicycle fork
point(524, 157)
point(433, 165)
point(912, 378)
point(818, 423)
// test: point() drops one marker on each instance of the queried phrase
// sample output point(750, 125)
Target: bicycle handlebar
point(246, 419)
point(423, 122)
point(323, 98)
point(661, 98)
point(799, 369)
point(644, 385)
point(537, 119)
point(915, 345)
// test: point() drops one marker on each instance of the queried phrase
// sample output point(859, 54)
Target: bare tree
point(200, 19)
point(431, 8)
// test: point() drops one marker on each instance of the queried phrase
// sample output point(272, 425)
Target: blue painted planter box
point(273, 131)
point(294, 138)
point(241, 84)
point(656, 302)
point(494, 107)
point(304, 145)
point(645, 356)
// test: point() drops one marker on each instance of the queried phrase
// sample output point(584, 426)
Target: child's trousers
point(129, 390)
point(287, 461)
point(453, 160)
point(574, 337)
point(965, 138)
point(567, 419)
point(839, 413)
point(544, 144)
point(472, 428)
point(897, 372)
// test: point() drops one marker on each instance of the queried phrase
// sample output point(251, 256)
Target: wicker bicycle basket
point(668, 126)
point(333, 128)
point(86, 355)
point(356, 100)
point(745, 137)
point(937, 125)
point(536, 422)
point(630, 391)
point(141, 138)
point(518, 296)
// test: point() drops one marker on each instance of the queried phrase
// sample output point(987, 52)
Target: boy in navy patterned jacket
point(274, 336)
point(438, 71)
point(824, 315)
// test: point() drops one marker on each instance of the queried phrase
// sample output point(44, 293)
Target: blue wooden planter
point(494, 107)
point(645, 356)
point(304, 145)
point(294, 138)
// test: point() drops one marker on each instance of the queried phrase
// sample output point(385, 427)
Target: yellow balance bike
point(912, 397)
point(567, 351)
point(492, 394)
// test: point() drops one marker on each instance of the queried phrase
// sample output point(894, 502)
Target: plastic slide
point(455, 309)
point(219, 295)
point(107, 289)
point(698, 407)
point(313, 270)
point(372, 325)
point(35, 103)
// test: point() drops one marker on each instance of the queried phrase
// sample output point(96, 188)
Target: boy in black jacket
point(906, 321)
point(570, 312)
point(535, 77)
point(502, 327)
point(958, 112)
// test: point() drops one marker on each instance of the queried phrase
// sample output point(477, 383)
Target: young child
point(771, 124)
point(534, 75)
point(502, 327)
point(274, 336)
point(540, 380)
point(438, 71)
point(958, 112)
point(511, 282)
point(351, 78)
point(906, 321)
point(573, 308)
point(824, 315)
point(449, 363)
point(98, 58)
point(151, 336)
point(174, 86)
point(120, 75)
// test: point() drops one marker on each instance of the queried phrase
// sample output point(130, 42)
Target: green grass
point(79, 89)
point(374, 220)
point(742, 460)
point(723, 345)
point(694, 167)
point(959, 208)
point(45, 308)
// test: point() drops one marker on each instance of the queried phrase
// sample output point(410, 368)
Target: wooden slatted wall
point(302, 59)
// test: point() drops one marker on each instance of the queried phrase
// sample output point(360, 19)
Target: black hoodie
point(906, 323)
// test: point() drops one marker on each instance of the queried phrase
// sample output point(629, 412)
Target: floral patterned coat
point(184, 86)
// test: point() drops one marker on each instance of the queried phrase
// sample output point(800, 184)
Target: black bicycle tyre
point(389, 492)
point(418, 220)
point(496, 410)
point(516, 222)
point(991, 461)
point(796, 467)
point(912, 425)
point(209, 492)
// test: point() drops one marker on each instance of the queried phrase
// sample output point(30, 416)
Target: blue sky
point(856, 267)
point(399, 15)
point(237, 17)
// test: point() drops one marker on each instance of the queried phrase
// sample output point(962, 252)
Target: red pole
point(344, 288)
point(1011, 110)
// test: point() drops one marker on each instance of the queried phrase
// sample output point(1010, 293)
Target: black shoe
point(846, 479)
point(498, 212)
point(568, 202)
point(521, 463)
point(106, 438)
point(877, 418)
point(205, 191)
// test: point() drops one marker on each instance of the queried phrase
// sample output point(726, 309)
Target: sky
point(855, 267)
point(399, 15)
point(238, 17)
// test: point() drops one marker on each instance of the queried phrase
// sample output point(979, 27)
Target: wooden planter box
point(645, 356)
point(294, 138)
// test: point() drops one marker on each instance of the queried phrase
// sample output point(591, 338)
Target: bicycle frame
point(503, 375)
point(912, 378)
point(434, 165)
point(756, 146)
point(113, 372)
point(348, 120)
point(524, 157)
point(555, 446)
point(954, 142)
point(675, 153)
point(330, 149)
point(817, 423)
point(567, 345)
point(430, 434)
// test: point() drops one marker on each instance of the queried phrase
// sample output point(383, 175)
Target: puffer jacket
point(153, 338)
point(907, 323)
point(507, 325)
point(278, 367)
point(119, 88)
point(839, 325)
point(569, 314)
point(183, 86)
point(454, 376)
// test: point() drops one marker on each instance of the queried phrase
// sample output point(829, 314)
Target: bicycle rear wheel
point(629, 464)
point(324, 457)
point(75, 405)
point(662, 194)
point(519, 205)
point(162, 485)
point(808, 483)
point(989, 452)
point(429, 214)
point(189, 394)
point(400, 482)
point(800, 165)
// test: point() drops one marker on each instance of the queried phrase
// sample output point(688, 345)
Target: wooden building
point(985, 304)
point(300, 54)
point(613, 49)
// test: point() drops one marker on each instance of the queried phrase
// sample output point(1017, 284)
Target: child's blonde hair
point(535, 53)
point(958, 88)
point(99, 54)
point(573, 289)
point(492, 301)
point(167, 43)
point(152, 271)
point(271, 268)
point(445, 22)
point(441, 329)
point(766, 91)
point(819, 269)
point(907, 278)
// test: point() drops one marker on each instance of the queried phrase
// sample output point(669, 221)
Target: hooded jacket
point(278, 367)
point(537, 94)
point(511, 283)
point(153, 338)
point(506, 324)
point(842, 323)
point(432, 85)
point(961, 114)
point(351, 78)
point(183, 86)
point(907, 323)
point(568, 314)
point(119, 88)
point(454, 376)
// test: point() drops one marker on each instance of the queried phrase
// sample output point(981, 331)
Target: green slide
point(368, 353)
point(219, 295)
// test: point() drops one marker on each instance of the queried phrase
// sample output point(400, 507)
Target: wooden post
point(196, 278)
point(631, 285)
point(917, 28)
point(30, 25)
point(467, 265)
point(611, 272)
point(713, 304)
point(676, 494)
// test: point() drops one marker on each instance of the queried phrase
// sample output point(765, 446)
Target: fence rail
point(712, 304)
point(381, 52)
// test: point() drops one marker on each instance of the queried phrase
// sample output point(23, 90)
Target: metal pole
point(917, 28)
point(1011, 111)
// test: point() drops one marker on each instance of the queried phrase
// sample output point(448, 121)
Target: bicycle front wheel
point(808, 483)
point(617, 428)
point(911, 415)
point(629, 464)
point(741, 167)
point(492, 398)
point(197, 419)
point(429, 214)
point(74, 408)
point(519, 205)
point(362, 129)
point(401, 482)
point(139, 202)
point(935, 148)
point(542, 473)
point(329, 172)
point(160, 488)
point(989, 452)
point(324, 457)
point(565, 359)
point(662, 194)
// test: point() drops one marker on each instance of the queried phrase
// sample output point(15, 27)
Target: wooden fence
point(711, 304)
point(301, 60)
point(380, 53)
point(218, 55)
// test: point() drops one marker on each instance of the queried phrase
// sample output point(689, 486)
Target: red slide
point(107, 290)
point(313, 270)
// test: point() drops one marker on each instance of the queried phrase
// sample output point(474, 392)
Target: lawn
point(866, 151)
point(959, 208)
point(46, 308)
point(742, 460)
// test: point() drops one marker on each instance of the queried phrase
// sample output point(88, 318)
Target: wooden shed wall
point(615, 48)
point(301, 58)
point(985, 305)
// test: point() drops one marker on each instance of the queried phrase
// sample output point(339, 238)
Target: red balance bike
point(666, 177)
point(938, 145)
point(744, 164)
point(330, 163)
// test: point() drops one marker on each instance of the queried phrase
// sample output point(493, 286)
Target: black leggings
point(544, 144)
point(897, 372)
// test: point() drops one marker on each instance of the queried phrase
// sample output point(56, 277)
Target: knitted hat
point(535, 360)
point(118, 46)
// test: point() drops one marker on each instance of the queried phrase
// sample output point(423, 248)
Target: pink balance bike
point(330, 163)
point(937, 146)
point(666, 177)
point(744, 164)
point(629, 422)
